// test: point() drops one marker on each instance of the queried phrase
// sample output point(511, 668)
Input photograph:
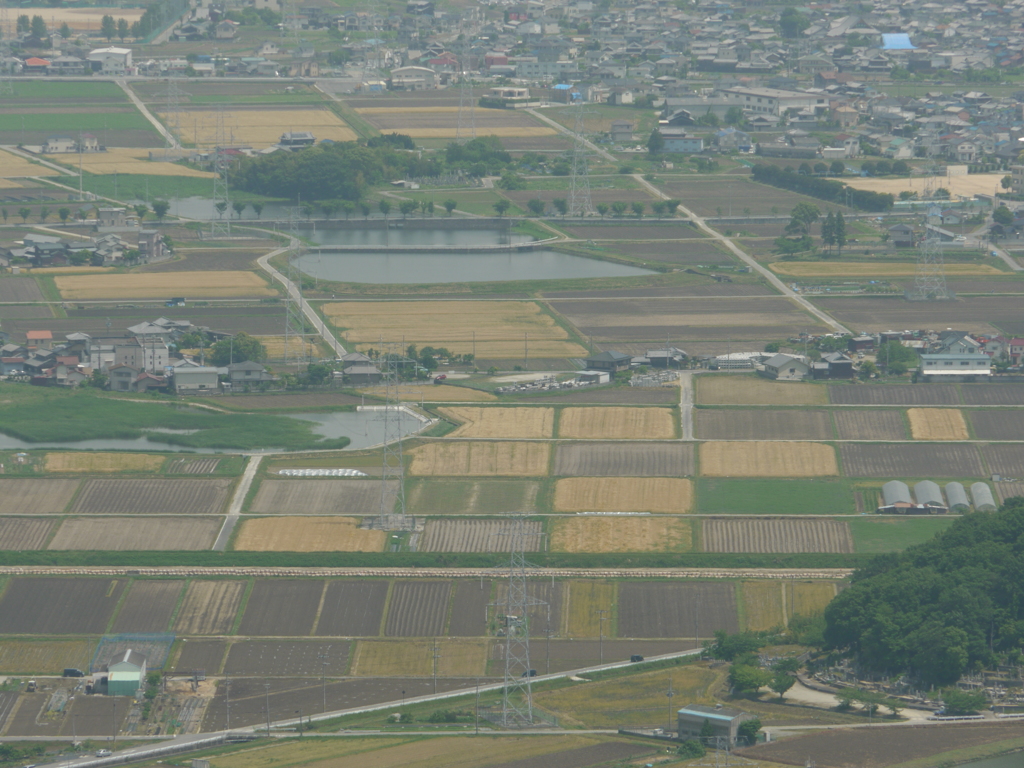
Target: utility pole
point(670, 694)
point(436, 654)
point(266, 693)
point(227, 704)
point(600, 641)
point(323, 674)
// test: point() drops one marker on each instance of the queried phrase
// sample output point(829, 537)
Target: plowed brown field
point(774, 535)
point(209, 607)
point(747, 389)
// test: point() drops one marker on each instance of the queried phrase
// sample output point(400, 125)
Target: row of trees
point(536, 207)
point(159, 208)
point(823, 189)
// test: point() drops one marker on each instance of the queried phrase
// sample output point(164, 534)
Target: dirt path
point(235, 509)
point(686, 404)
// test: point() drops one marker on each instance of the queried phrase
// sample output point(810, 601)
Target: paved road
point(604, 154)
point(170, 137)
point(293, 291)
point(235, 509)
point(753, 263)
point(686, 404)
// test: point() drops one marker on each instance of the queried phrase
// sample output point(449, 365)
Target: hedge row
point(823, 189)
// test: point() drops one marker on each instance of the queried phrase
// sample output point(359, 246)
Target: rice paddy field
point(157, 285)
point(308, 534)
point(764, 459)
point(259, 127)
point(623, 494)
point(84, 462)
point(937, 424)
point(613, 423)
point(509, 423)
point(506, 459)
point(128, 161)
point(14, 166)
point(442, 121)
point(488, 329)
point(750, 389)
point(630, 534)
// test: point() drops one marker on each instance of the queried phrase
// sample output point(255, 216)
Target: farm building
point(981, 494)
point(895, 498)
point(957, 496)
point(955, 367)
point(670, 357)
point(735, 360)
point(413, 79)
point(783, 367)
point(928, 494)
point(200, 377)
point(609, 361)
point(125, 676)
point(724, 722)
point(833, 365)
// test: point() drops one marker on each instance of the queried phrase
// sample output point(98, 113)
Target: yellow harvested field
point(968, 185)
point(261, 127)
point(634, 698)
point(510, 131)
point(753, 390)
point(524, 422)
point(44, 657)
point(71, 270)
point(277, 348)
point(79, 19)
point(308, 534)
point(764, 605)
point(429, 393)
point(13, 166)
point(623, 494)
point(630, 534)
point(103, 462)
point(871, 269)
point(124, 160)
point(397, 111)
point(481, 459)
point(157, 285)
point(616, 423)
point(8, 183)
point(809, 598)
point(498, 327)
point(397, 751)
point(767, 459)
point(414, 658)
point(583, 600)
point(937, 424)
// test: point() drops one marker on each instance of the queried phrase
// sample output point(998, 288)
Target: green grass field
point(775, 497)
point(872, 535)
point(40, 415)
point(91, 122)
point(477, 201)
point(45, 91)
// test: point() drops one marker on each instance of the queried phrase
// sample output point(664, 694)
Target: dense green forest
point(939, 609)
point(348, 170)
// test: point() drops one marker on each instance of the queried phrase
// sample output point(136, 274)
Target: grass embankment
point(36, 415)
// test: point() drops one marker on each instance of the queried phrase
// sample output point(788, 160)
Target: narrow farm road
point(686, 404)
point(235, 509)
point(148, 115)
point(604, 154)
point(307, 310)
point(746, 258)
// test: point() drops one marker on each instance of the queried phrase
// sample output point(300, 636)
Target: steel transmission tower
point(295, 347)
point(172, 114)
point(579, 185)
point(930, 276)
point(6, 85)
point(466, 129)
point(517, 691)
point(392, 475)
point(221, 198)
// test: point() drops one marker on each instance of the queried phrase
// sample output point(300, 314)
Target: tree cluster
point(823, 189)
point(939, 609)
point(833, 231)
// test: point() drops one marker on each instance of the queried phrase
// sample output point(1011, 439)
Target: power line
point(580, 203)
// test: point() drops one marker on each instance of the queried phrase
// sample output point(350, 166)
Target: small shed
point(928, 494)
point(956, 494)
point(126, 673)
point(981, 494)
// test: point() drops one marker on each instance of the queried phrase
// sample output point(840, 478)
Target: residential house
point(148, 354)
point(677, 141)
point(1015, 351)
point(902, 236)
point(622, 132)
point(783, 367)
point(248, 372)
point(608, 361)
point(732, 140)
point(833, 365)
point(196, 379)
